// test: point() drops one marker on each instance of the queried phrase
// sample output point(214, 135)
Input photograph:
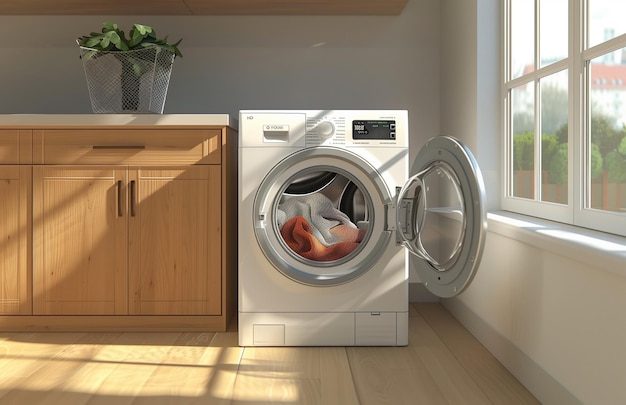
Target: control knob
point(325, 130)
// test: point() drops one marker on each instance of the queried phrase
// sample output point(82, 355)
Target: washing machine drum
point(323, 216)
point(344, 194)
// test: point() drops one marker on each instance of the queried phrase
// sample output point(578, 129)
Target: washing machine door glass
point(320, 216)
point(441, 216)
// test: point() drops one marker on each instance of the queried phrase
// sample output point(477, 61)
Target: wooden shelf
point(202, 7)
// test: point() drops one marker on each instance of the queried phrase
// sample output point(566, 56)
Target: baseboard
point(541, 384)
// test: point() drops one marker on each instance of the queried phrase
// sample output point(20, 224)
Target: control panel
point(355, 128)
point(310, 128)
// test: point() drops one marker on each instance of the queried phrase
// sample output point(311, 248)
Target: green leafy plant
point(112, 39)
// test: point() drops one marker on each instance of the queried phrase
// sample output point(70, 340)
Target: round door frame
point(306, 271)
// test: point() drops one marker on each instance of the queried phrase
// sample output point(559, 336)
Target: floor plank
point(67, 376)
point(490, 375)
point(392, 375)
point(452, 379)
point(221, 364)
point(337, 382)
point(182, 376)
point(443, 364)
point(23, 355)
point(294, 375)
point(141, 355)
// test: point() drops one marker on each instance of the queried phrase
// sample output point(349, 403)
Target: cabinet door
point(15, 240)
point(175, 240)
point(80, 240)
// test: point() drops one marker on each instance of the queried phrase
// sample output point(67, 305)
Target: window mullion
point(609, 46)
point(577, 108)
point(507, 42)
point(582, 97)
point(537, 165)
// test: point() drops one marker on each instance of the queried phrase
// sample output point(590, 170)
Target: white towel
point(319, 212)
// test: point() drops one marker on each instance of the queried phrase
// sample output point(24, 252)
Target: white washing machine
point(330, 216)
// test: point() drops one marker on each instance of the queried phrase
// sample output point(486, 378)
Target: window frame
point(577, 62)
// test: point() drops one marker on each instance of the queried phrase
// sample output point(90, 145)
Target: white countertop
point(68, 120)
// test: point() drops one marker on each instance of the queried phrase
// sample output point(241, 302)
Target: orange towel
point(297, 234)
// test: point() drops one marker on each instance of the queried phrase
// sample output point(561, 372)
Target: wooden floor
point(443, 364)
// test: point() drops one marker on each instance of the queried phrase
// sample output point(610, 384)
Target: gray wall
point(244, 62)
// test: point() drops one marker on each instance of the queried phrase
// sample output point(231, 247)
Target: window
point(565, 111)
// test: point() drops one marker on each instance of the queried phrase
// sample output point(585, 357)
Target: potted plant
point(127, 74)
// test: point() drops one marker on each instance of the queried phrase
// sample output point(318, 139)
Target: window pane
point(554, 109)
point(522, 37)
point(606, 20)
point(607, 150)
point(553, 30)
point(523, 126)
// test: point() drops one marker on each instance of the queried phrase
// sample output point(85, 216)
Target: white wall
point(469, 85)
point(551, 312)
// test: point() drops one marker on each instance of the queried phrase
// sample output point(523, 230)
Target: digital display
point(374, 129)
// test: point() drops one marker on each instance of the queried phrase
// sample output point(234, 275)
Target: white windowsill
point(600, 250)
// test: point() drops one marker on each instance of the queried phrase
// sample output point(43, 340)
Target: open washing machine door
point(440, 216)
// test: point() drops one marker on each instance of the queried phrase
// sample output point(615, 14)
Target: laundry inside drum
point(323, 216)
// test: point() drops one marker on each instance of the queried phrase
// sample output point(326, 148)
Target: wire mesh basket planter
point(133, 81)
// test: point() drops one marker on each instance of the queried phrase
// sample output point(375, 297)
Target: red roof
point(610, 77)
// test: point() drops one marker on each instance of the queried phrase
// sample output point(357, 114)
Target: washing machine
point(331, 214)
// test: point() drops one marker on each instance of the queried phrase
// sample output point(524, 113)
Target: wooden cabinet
point(175, 241)
point(15, 223)
point(15, 237)
point(159, 228)
point(80, 241)
point(129, 229)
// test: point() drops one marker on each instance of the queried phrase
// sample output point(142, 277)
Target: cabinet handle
point(118, 147)
point(119, 198)
point(132, 198)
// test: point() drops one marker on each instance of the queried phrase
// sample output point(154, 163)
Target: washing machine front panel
point(320, 216)
point(441, 216)
point(357, 299)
